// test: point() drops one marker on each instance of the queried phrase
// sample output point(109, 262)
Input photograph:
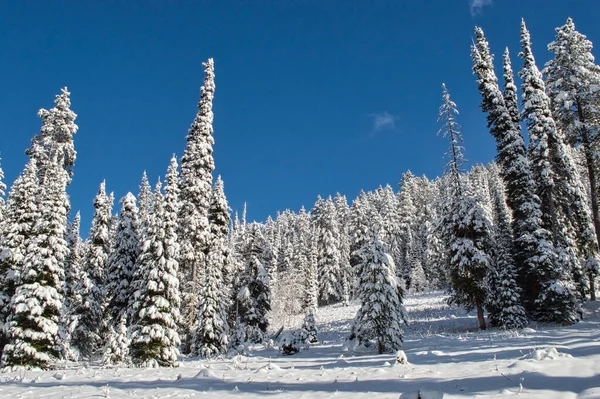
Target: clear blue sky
point(312, 97)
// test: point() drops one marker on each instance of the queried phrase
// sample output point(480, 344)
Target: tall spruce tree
point(22, 212)
point(253, 295)
point(211, 329)
point(561, 198)
point(122, 259)
point(145, 200)
point(381, 313)
point(533, 248)
point(35, 334)
point(197, 166)
point(74, 276)
point(571, 81)
point(155, 310)
point(328, 251)
point(2, 202)
point(55, 139)
point(504, 304)
point(467, 231)
point(90, 329)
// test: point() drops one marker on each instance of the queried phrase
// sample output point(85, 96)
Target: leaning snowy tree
point(211, 329)
point(533, 248)
point(155, 310)
point(197, 166)
point(466, 229)
point(381, 313)
point(35, 334)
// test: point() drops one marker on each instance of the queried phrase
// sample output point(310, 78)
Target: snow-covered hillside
point(445, 353)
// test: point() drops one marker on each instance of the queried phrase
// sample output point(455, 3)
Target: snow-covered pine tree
point(35, 334)
point(532, 243)
point(55, 139)
point(557, 187)
point(252, 300)
point(304, 260)
point(406, 220)
point(381, 313)
point(211, 328)
point(2, 202)
point(504, 304)
point(145, 200)
point(328, 251)
point(73, 271)
point(121, 261)
point(22, 212)
point(346, 271)
point(90, 329)
point(571, 81)
point(197, 166)
point(467, 231)
point(359, 227)
point(155, 310)
point(117, 347)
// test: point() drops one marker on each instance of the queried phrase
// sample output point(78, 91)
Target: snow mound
point(206, 373)
point(592, 393)
point(423, 394)
point(268, 367)
point(528, 330)
point(549, 353)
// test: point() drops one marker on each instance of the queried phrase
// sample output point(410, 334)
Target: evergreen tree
point(145, 200)
point(467, 231)
point(197, 166)
point(122, 259)
point(533, 249)
point(557, 188)
point(154, 336)
point(346, 272)
point(117, 347)
point(2, 203)
point(571, 81)
point(22, 212)
point(328, 252)
point(211, 329)
point(55, 140)
point(88, 335)
point(34, 328)
point(381, 313)
point(504, 302)
point(74, 276)
point(253, 297)
point(304, 260)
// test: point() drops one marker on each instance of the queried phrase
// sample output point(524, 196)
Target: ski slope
point(445, 352)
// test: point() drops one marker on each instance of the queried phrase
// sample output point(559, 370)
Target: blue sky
point(312, 97)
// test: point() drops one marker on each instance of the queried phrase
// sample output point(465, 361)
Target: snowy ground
point(444, 350)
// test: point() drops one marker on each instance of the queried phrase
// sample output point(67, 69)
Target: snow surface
point(446, 354)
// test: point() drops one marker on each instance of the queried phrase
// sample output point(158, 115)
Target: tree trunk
point(480, 317)
point(592, 287)
point(586, 140)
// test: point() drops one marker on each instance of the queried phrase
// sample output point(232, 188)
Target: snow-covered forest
point(170, 273)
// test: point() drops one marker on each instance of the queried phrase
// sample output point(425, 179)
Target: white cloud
point(383, 121)
point(477, 6)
